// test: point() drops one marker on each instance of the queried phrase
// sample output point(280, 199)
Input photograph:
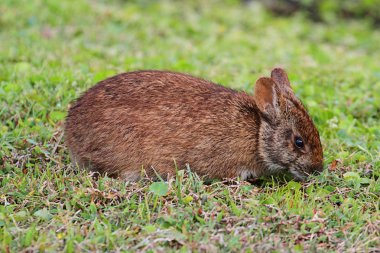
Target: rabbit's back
point(149, 119)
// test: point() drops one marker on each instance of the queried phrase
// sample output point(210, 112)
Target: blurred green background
point(328, 10)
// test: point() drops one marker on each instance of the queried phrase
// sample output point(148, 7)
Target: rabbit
point(161, 121)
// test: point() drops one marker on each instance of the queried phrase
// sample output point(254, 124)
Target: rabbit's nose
point(318, 167)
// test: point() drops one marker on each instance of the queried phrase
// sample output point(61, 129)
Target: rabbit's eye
point(299, 142)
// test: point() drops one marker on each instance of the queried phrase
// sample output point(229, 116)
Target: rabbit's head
point(288, 139)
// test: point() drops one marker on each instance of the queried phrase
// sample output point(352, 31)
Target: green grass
point(51, 51)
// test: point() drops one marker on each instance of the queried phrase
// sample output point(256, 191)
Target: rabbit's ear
point(280, 77)
point(265, 96)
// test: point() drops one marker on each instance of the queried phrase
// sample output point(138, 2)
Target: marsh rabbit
point(160, 121)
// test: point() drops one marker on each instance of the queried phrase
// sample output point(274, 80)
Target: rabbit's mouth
point(299, 176)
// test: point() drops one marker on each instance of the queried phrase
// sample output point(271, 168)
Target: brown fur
point(154, 119)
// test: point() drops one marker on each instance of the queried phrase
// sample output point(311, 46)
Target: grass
point(51, 51)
